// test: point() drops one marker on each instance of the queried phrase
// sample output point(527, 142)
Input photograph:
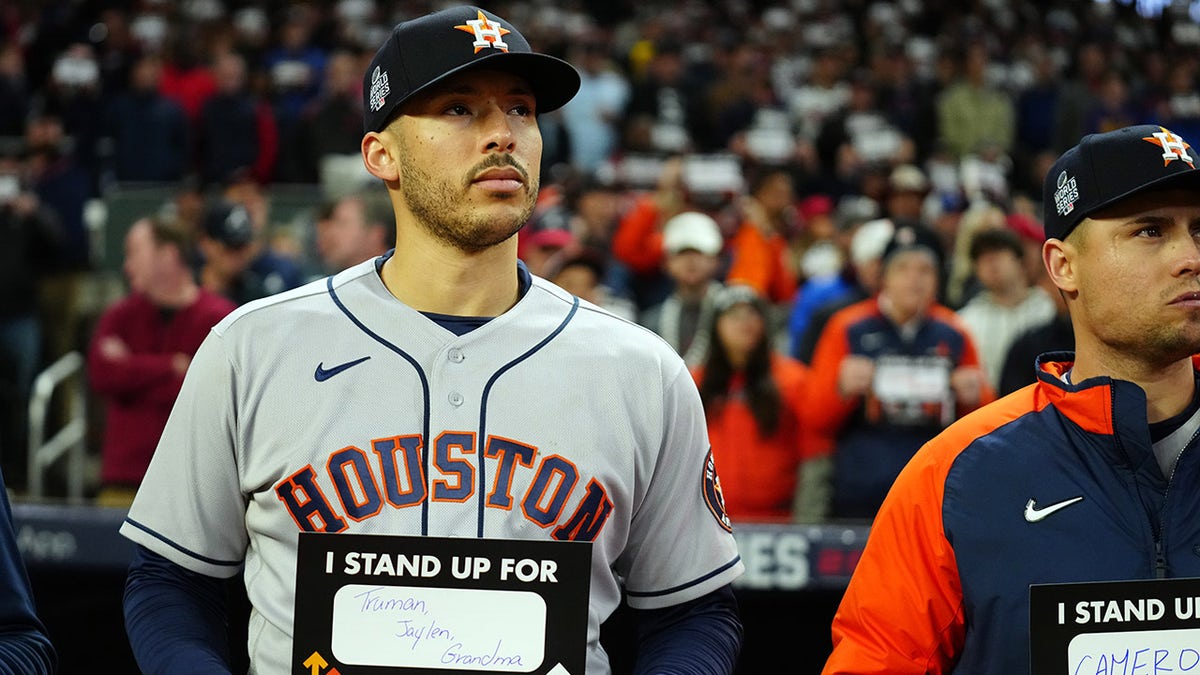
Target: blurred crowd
point(831, 209)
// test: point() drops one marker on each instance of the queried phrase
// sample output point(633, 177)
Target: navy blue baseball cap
point(229, 224)
point(1108, 167)
point(424, 51)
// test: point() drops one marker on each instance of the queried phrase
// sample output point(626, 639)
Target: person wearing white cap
point(692, 243)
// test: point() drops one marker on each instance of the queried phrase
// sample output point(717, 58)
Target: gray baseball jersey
point(337, 408)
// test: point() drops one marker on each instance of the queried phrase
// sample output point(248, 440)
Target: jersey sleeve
point(903, 608)
point(190, 507)
point(680, 543)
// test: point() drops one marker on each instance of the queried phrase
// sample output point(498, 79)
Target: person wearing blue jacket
point(1091, 473)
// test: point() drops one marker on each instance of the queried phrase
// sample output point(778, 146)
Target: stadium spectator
point(295, 64)
point(759, 247)
point(665, 113)
point(141, 348)
point(237, 262)
point(14, 90)
point(862, 274)
point(974, 116)
point(327, 134)
point(581, 271)
point(693, 243)
point(357, 227)
point(149, 132)
point(187, 74)
point(32, 238)
point(73, 95)
point(752, 396)
point(237, 132)
point(593, 118)
point(888, 374)
point(1007, 304)
point(1054, 335)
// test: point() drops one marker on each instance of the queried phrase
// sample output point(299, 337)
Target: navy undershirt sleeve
point(175, 618)
point(701, 637)
point(25, 648)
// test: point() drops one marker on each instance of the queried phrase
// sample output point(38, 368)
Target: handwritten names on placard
point(453, 629)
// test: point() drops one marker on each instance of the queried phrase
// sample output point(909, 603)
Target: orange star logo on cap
point(486, 32)
point(1174, 147)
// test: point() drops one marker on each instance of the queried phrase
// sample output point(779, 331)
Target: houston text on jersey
point(391, 475)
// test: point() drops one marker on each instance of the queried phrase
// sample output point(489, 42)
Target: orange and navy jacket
point(943, 583)
point(868, 448)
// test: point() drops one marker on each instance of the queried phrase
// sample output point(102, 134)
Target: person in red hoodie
point(141, 348)
point(751, 396)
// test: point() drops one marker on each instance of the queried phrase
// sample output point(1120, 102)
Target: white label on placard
point(439, 628)
point(904, 380)
point(1145, 651)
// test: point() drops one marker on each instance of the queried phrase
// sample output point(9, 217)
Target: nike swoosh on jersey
point(1033, 514)
point(322, 374)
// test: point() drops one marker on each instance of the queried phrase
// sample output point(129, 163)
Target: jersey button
point(456, 355)
point(455, 398)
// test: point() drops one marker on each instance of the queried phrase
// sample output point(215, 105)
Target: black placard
point(1115, 627)
point(373, 604)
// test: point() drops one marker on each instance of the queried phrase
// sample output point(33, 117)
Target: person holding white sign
point(1087, 475)
point(888, 374)
point(442, 394)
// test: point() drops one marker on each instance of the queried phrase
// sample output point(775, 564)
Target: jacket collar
point(1102, 406)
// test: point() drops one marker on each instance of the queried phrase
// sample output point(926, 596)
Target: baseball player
point(436, 391)
point(1088, 475)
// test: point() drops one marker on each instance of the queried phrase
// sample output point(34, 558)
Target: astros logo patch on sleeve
point(713, 496)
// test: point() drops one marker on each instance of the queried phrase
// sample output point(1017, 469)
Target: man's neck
point(431, 277)
point(175, 295)
point(1010, 295)
point(1168, 389)
point(692, 293)
point(895, 315)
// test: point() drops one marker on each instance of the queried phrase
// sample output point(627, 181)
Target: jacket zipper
point(1160, 556)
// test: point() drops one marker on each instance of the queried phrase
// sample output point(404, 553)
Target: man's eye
point(458, 110)
point(522, 110)
point(1150, 231)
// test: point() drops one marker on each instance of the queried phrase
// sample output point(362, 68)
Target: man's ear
point(1060, 258)
point(377, 157)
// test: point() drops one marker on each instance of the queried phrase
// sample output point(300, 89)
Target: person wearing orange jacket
point(759, 248)
point(637, 241)
point(751, 396)
point(1089, 474)
point(888, 374)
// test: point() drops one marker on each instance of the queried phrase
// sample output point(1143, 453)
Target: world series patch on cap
point(1108, 167)
point(424, 51)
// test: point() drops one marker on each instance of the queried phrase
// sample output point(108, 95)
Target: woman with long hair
point(751, 395)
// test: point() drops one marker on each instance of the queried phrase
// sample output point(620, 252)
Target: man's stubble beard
point(444, 213)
